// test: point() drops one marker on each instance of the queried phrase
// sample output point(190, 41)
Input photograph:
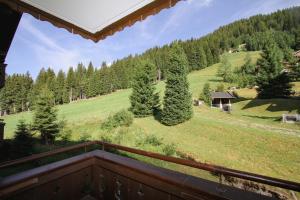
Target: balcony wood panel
point(108, 176)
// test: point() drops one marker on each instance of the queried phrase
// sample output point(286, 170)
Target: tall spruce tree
point(23, 142)
point(81, 81)
point(60, 91)
point(177, 105)
point(198, 58)
point(90, 70)
point(208, 54)
point(71, 84)
point(272, 81)
point(144, 101)
point(51, 80)
point(45, 117)
point(202, 58)
point(93, 85)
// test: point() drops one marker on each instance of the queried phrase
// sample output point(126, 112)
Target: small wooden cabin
point(221, 100)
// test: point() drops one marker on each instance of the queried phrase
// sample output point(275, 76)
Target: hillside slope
point(250, 139)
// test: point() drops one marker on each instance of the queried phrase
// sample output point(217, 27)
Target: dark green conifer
point(71, 84)
point(60, 87)
point(177, 105)
point(45, 117)
point(205, 95)
point(272, 81)
point(144, 101)
point(23, 143)
point(224, 70)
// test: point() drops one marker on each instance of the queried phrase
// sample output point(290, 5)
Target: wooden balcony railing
point(108, 176)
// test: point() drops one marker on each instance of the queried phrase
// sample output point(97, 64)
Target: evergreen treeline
point(82, 82)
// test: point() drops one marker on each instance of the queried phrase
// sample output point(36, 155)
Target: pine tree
point(80, 81)
point(296, 71)
point(41, 79)
point(271, 80)
point(45, 117)
point(60, 87)
point(209, 56)
point(71, 84)
point(51, 80)
point(90, 70)
point(93, 85)
point(197, 58)
point(23, 143)
point(224, 70)
point(205, 95)
point(246, 75)
point(202, 58)
point(297, 42)
point(144, 101)
point(105, 83)
point(288, 55)
point(177, 105)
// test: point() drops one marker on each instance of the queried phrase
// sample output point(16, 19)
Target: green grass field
point(251, 138)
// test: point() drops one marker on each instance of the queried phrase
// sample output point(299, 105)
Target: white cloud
point(200, 3)
point(263, 7)
point(47, 51)
point(180, 13)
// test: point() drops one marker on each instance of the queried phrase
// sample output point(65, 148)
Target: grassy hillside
point(251, 138)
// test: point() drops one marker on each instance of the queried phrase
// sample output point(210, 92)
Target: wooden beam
point(2, 124)
point(140, 14)
point(9, 20)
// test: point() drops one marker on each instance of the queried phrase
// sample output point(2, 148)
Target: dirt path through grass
point(245, 123)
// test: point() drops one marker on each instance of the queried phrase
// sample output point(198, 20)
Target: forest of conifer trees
point(81, 82)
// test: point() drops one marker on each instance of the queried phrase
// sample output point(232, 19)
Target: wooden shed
point(221, 100)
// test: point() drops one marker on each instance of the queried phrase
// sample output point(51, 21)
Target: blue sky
point(39, 44)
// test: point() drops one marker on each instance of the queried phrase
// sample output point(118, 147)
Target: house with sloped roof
point(221, 100)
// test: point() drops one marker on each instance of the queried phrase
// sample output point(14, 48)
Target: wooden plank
point(45, 172)
point(211, 168)
point(46, 154)
point(110, 176)
point(174, 183)
point(18, 186)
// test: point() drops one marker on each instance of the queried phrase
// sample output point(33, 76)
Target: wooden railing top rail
point(203, 166)
point(212, 168)
point(46, 154)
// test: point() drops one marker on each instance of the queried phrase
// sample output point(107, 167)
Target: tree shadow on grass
point(215, 80)
point(239, 99)
point(157, 115)
point(276, 105)
point(275, 119)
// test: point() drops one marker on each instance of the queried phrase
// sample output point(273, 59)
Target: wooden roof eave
point(139, 15)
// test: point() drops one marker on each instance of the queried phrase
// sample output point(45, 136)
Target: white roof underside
point(90, 15)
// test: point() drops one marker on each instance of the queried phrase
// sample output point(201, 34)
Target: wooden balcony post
point(2, 74)
point(2, 124)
